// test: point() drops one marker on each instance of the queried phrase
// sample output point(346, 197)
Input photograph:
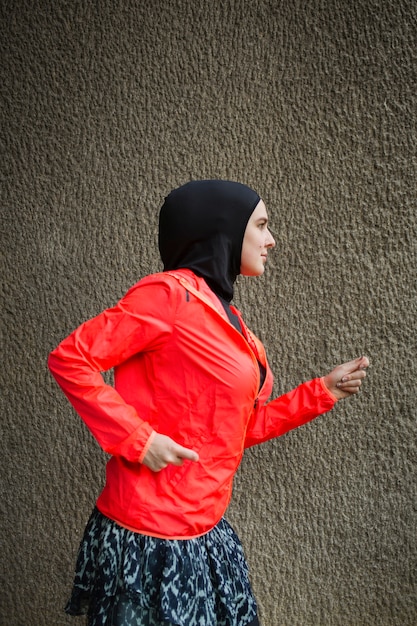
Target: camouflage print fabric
point(128, 579)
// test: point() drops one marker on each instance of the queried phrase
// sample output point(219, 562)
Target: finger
point(350, 384)
point(185, 454)
point(349, 391)
point(357, 375)
point(157, 466)
point(349, 388)
point(360, 363)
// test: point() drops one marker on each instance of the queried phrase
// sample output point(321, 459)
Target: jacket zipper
point(190, 289)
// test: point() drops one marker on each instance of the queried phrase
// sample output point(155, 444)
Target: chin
point(253, 271)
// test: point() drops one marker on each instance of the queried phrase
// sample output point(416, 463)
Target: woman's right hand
point(165, 451)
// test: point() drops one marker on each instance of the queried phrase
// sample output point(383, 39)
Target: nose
point(270, 242)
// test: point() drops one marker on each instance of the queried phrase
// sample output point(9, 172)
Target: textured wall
point(107, 106)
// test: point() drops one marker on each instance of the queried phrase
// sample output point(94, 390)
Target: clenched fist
point(346, 379)
point(165, 451)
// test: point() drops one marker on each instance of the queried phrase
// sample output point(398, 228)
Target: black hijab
point(201, 228)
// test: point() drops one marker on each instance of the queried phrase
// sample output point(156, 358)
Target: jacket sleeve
point(289, 411)
point(141, 321)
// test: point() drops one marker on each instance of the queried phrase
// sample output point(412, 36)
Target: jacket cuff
point(134, 447)
point(327, 390)
point(146, 446)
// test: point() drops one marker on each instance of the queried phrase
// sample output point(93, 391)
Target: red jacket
point(181, 369)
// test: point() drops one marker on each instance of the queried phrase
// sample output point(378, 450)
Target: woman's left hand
point(346, 379)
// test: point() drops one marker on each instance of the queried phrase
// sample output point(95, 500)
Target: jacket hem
point(141, 531)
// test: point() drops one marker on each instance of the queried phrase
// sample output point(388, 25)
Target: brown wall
point(107, 106)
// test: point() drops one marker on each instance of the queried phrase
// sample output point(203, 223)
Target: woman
point(190, 393)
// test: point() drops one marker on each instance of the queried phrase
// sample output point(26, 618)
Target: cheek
point(252, 246)
point(256, 239)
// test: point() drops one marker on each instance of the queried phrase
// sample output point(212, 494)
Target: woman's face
point(256, 242)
